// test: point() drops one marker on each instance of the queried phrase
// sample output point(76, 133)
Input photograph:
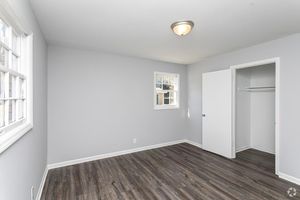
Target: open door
point(217, 113)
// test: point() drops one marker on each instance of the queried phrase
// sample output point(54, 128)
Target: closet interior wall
point(255, 108)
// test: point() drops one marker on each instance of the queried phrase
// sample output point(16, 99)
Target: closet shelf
point(253, 89)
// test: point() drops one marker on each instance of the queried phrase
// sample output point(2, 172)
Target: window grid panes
point(15, 63)
point(4, 32)
point(12, 111)
point(4, 55)
point(16, 43)
point(12, 81)
point(2, 88)
point(2, 114)
point(166, 90)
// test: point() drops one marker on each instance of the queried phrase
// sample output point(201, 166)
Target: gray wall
point(288, 50)
point(23, 164)
point(97, 103)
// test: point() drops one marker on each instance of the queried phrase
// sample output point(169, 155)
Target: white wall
point(97, 103)
point(23, 164)
point(288, 50)
point(243, 110)
point(263, 109)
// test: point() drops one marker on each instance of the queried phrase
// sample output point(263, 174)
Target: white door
point(217, 113)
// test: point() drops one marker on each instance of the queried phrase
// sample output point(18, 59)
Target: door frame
point(233, 68)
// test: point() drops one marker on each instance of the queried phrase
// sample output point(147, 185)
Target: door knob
point(203, 115)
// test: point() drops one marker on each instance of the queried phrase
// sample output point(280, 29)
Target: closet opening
point(256, 113)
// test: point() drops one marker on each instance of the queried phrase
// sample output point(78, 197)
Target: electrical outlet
point(134, 140)
point(32, 193)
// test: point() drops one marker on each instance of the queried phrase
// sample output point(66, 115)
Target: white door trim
point(276, 61)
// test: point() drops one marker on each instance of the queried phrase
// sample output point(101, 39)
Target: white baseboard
point(242, 149)
point(108, 155)
point(39, 193)
point(194, 143)
point(289, 178)
point(264, 150)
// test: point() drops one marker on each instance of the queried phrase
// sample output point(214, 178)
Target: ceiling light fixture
point(182, 27)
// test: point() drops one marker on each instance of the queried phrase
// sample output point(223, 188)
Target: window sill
point(166, 107)
point(10, 137)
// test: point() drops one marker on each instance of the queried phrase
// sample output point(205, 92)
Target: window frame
point(14, 131)
point(166, 107)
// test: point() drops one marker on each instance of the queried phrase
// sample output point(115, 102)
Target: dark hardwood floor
point(257, 159)
point(176, 172)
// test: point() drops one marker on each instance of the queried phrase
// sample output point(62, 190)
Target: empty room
point(149, 100)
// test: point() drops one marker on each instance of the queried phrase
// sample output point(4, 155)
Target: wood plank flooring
point(176, 172)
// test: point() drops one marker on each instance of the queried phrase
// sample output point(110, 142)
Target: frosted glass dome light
point(182, 28)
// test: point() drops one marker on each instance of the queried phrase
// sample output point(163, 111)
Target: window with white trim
point(166, 90)
point(15, 70)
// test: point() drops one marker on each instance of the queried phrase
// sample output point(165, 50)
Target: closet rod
point(257, 88)
point(266, 87)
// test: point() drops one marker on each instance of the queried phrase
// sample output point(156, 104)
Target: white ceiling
point(142, 27)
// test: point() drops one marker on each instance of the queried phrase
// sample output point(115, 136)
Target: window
point(15, 81)
point(166, 90)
